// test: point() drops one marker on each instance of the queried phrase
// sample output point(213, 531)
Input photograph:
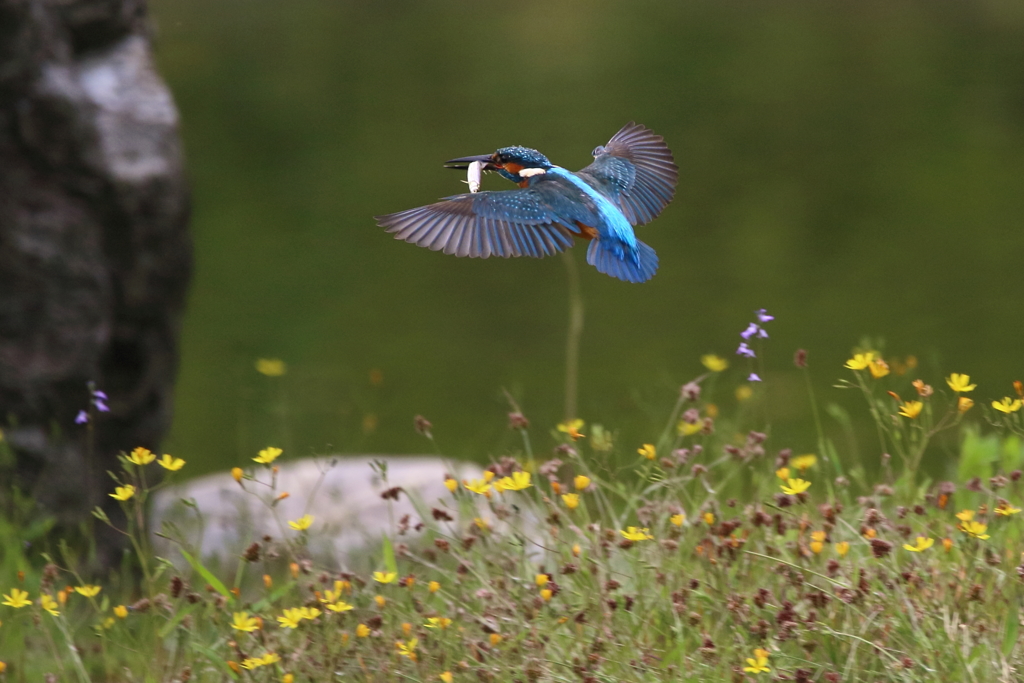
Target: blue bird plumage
point(631, 180)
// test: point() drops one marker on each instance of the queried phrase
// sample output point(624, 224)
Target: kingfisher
point(630, 181)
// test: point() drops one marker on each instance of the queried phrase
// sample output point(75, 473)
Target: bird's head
point(509, 162)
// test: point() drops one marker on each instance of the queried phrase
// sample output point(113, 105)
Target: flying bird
point(630, 181)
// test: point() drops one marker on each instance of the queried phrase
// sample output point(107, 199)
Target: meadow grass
point(699, 556)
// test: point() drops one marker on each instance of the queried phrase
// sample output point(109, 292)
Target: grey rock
point(342, 494)
point(95, 255)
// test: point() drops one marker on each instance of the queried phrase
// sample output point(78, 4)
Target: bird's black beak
point(463, 163)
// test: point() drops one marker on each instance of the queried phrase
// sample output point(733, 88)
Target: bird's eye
point(598, 151)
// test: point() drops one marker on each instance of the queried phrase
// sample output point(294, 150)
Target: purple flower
point(753, 329)
point(81, 418)
point(753, 377)
point(745, 350)
point(99, 399)
point(762, 315)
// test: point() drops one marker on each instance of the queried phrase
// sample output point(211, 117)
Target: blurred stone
point(95, 254)
point(343, 494)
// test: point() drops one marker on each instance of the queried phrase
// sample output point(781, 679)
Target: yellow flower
point(481, 523)
point(49, 604)
point(795, 486)
point(171, 463)
point(819, 536)
point(488, 476)
point(1006, 509)
point(517, 482)
point(451, 484)
point(265, 660)
point(407, 649)
point(678, 520)
point(817, 546)
point(581, 482)
point(965, 515)
point(271, 367)
point(782, 473)
point(3, 667)
point(572, 428)
point(236, 474)
point(804, 462)
point(380, 600)
point(268, 455)
point(546, 594)
point(241, 621)
point(494, 638)
point(541, 580)
point(571, 500)
point(576, 550)
point(290, 678)
point(335, 604)
point(445, 677)
point(947, 544)
point(959, 383)
point(478, 486)
point(384, 577)
point(123, 493)
point(648, 451)
point(634, 534)
point(842, 548)
point(911, 409)
point(714, 363)
point(860, 361)
point(963, 404)
point(438, 622)
point(685, 428)
point(758, 663)
point(920, 545)
point(121, 612)
point(709, 518)
point(310, 613)
point(743, 392)
point(302, 523)
point(141, 456)
point(88, 590)
point(290, 618)
point(433, 586)
point(1007, 405)
point(975, 529)
point(879, 368)
point(362, 630)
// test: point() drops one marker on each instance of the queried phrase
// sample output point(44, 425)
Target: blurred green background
point(856, 168)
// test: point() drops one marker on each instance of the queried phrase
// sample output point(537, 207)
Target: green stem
point(572, 345)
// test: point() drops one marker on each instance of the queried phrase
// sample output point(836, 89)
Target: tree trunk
point(95, 254)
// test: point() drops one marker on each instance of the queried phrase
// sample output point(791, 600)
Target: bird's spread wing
point(635, 169)
point(483, 224)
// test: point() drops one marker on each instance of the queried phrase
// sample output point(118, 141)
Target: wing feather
point(635, 169)
point(482, 224)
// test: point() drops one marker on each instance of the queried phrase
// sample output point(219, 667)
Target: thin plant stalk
point(572, 345)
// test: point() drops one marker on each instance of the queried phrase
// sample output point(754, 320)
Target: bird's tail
point(603, 255)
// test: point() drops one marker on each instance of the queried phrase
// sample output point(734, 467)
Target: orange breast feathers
point(586, 232)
